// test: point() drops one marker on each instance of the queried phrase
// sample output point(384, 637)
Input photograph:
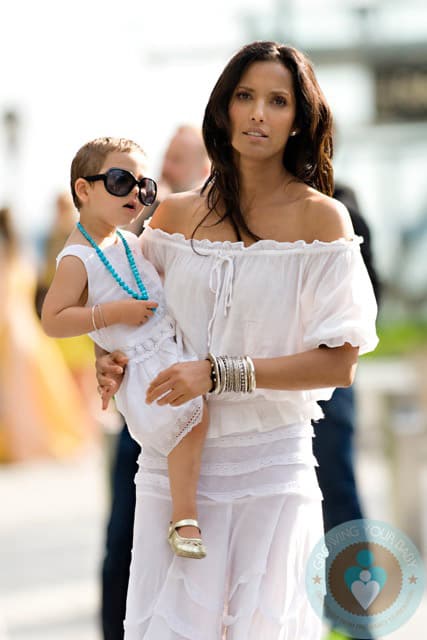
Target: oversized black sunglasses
point(120, 182)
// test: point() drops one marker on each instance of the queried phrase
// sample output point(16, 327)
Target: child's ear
point(81, 187)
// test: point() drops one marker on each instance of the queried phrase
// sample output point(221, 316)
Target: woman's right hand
point(110, 369)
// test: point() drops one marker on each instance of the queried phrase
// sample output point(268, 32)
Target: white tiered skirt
point(260, 513)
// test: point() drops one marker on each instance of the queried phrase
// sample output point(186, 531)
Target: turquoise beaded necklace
point(143, 295)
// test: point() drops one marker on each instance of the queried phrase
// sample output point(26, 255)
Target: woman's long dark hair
point(307, 155)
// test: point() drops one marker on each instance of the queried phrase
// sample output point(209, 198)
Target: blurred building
point(371, 59)
point(370, 56)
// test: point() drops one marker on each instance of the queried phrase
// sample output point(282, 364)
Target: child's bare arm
point(64, 314)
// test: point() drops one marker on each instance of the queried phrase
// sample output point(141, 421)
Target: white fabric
point(258, 498)
point(260, 511)
point(251, 464)
point(250, 586)
point(266, 300)
point(151, 347)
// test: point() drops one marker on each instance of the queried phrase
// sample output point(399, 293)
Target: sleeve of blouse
point(338, 303)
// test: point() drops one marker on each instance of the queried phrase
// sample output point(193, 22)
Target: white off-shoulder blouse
point(269, 299)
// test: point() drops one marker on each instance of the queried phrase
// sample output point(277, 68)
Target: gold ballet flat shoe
point(186, 547)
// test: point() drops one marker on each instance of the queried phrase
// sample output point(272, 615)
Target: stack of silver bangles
point(232, 374)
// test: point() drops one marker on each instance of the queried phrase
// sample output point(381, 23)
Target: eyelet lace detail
point(261, 437)
point(156, 482)
point(237, 468)
point(188, 420)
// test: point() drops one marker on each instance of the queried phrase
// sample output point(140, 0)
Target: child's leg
point(184, 469)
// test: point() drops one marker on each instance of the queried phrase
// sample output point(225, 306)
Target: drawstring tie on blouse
point(221, 284)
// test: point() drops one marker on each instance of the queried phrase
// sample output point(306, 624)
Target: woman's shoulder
point(179, 212)
point(324, 218)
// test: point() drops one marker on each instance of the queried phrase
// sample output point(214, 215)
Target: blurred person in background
point(185, 163)
point(270, 260)
point(333, 444)
point(35, 420)
point(185, 166)
point(64, 219)
point(78, 350)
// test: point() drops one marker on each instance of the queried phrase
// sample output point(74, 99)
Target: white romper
point(150, 347)
point(258, 496)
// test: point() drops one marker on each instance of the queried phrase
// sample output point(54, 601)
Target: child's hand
point(109, 374)
point(134, 312)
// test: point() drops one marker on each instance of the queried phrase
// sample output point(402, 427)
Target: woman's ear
point(81, 187)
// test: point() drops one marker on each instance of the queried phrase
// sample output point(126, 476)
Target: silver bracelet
point(232, 374)
point(214, 374)
point(222, 375)
point(251, 376)
point(244, 375)
point(93, 317)
point(101, 313)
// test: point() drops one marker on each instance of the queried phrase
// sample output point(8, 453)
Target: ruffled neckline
point(260, 245)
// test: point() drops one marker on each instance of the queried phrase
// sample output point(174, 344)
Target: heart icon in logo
point(365, 592)
point(365, 584)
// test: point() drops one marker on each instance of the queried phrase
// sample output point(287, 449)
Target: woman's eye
point(242, 95)
point(279, 100)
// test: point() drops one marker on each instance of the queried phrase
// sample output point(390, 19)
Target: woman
point(262, 262)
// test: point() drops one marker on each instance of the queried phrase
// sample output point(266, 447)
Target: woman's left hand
point(180, 383)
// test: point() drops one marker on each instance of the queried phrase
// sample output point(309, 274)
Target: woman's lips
point(255, 133)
